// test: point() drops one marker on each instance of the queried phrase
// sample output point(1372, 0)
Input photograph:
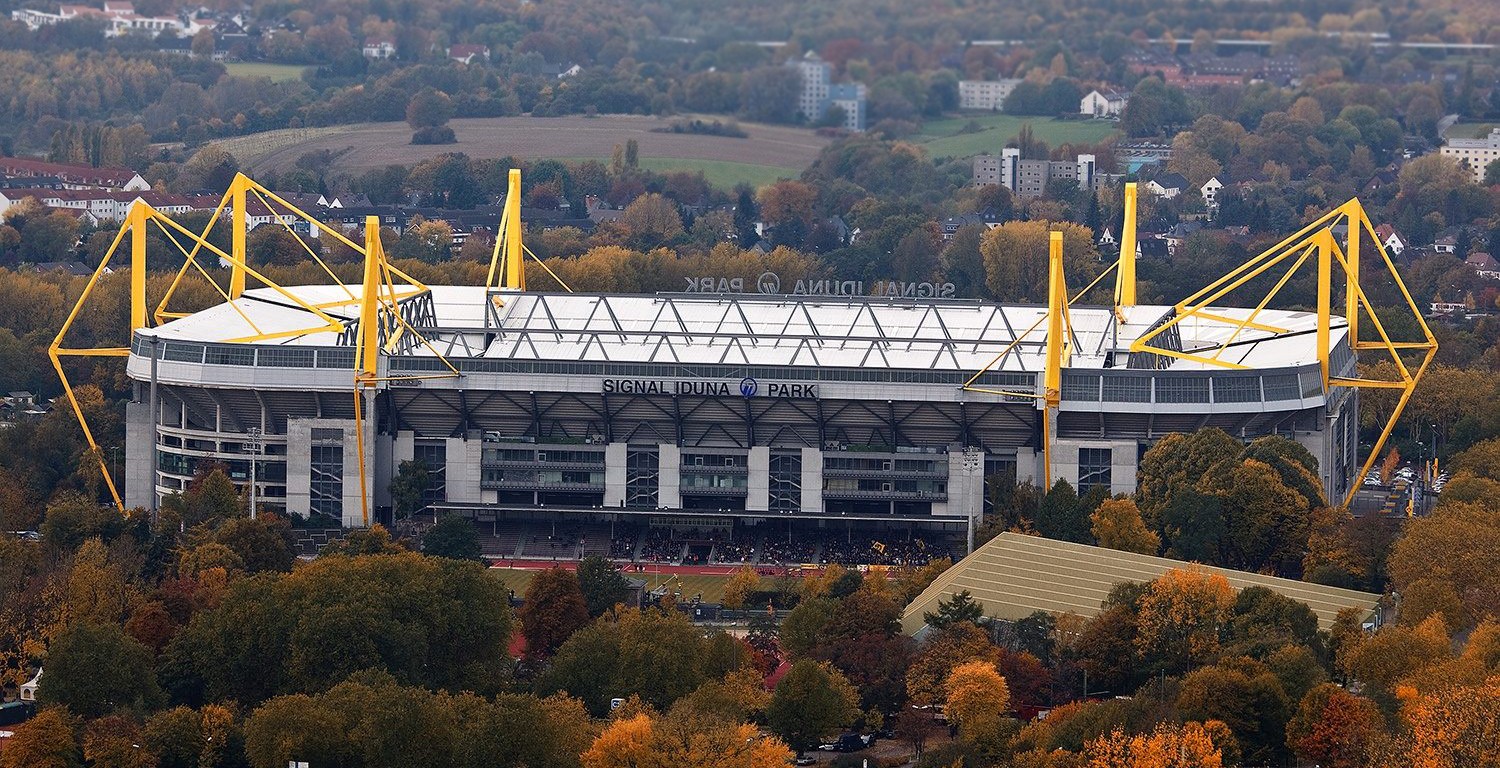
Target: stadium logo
point(748, 387)
point(768, 282)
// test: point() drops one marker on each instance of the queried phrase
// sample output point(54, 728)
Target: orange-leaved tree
point(1169, 746)
point(1181, 614)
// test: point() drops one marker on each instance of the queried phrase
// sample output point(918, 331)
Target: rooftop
point(1014, 575)
point(753, 329)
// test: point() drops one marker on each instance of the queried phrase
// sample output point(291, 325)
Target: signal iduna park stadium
point(757, 417)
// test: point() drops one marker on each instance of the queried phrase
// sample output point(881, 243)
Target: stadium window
point(1185, 389)
point(1094, 468)
point(1127, 389)
point(326, 491)
point(434, 456)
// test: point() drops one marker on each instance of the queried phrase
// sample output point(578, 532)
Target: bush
point(434, 134)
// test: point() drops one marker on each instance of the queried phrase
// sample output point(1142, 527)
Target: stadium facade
point(830, 411)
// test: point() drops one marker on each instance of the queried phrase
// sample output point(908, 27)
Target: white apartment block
point(985, 94)
point(1474, 154)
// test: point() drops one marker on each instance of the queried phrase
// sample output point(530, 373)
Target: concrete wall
point(1122, 469)
point(759, 481)
point(812, 480)
point(669, 482)
point(464, 470)
point(140, 457)
point(614, 474)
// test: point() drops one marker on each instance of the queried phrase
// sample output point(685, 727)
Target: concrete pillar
point(758, 484)
point(464, 469)
point(614, 474)
point(298, 466)
point(669, 478)
point(140, 456)
point(812, 480)
point(1028, 465)
point(965, 483)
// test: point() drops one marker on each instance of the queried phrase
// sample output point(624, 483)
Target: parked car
point(849, 742)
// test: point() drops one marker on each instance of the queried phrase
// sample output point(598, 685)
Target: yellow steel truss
point(1315, 242)
point(508, 260)
point(383, 287)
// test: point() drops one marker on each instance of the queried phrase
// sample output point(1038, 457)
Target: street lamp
point(253, 441)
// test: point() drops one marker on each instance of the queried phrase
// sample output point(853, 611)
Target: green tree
point(1154, 107)
point(411, 481)
point(453, 537)
point(602, 585)
point(430, 621)
point(960, 608)
point(1062, 515)
point(800, 629)
point(554, 609)
point(95, 669)
point(263, 544)
point(812, 701)
point(1245, 696)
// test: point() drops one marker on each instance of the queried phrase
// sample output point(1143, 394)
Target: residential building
point(849, 97)
point(1167, 185)
point(119, 19)
point(1029, 178)
point(1474, 154)
point(1106, 103)
point(380, 48)
point(817, 76)
point(1210, 191)
point(988, 95)
point(1484, 265)
point(1392, 240)
point(986, 170)
point(71, 176)
point(1446, 244)
point(988, 218)
point(819, 93)
point(468, 53)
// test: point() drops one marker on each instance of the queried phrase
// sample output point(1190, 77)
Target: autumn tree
point(429, 108)
point(1168, 746)
point(44, 741)
point(1180, 617)
point(1016, 258)
point(553, 610)
point(114, 742)
point(651, 220)
point(1247, 697)
point(1450, 728)
point(811, 701)
point(1334, 728)
point(1117, 524)
point(945, 649)
point(739, 587)
point(1454, 545)
point(976, 699)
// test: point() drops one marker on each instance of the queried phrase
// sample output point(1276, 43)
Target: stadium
point(716, 427)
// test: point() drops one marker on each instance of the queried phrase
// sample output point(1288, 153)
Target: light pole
point(253, 441)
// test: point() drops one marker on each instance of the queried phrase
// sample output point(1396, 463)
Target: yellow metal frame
point(1315, 242)
point(384, 286)
point(508, 260)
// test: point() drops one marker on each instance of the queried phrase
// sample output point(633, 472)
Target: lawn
point(1471, 130)
point(944, 139)
point(277, 72)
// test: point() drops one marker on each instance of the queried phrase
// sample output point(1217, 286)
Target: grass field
point(943, 138)
point(1471, 130)
point(277, 72)
point(724, 174)
point(769, 153)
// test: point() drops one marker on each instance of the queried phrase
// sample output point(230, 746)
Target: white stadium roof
point(748, 329)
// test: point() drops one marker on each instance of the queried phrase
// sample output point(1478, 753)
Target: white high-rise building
point(1475, 154)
